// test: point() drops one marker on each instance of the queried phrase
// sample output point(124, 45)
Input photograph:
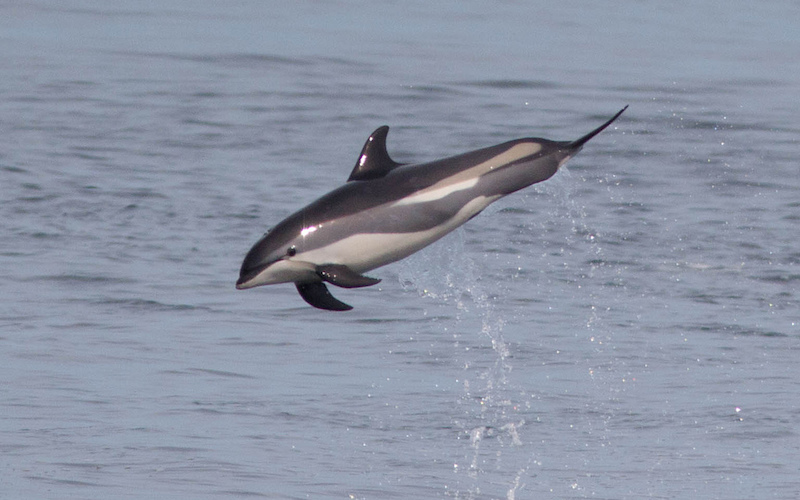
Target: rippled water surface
point(627, 329)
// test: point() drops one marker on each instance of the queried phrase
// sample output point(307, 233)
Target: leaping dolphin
point(387, 210)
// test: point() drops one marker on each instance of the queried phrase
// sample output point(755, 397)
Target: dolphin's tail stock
point(577, 144)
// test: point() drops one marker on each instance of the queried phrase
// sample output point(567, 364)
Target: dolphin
point(386, 211)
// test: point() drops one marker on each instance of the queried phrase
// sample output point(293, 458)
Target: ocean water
point(628, 329)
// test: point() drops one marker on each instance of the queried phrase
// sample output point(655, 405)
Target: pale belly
point(366, 251)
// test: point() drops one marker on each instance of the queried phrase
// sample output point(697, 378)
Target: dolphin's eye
point(292, 251)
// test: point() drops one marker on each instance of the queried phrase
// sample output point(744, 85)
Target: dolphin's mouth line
point(302, 272)
point(250, 274)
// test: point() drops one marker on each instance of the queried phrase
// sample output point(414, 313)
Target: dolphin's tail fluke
point(575, 145)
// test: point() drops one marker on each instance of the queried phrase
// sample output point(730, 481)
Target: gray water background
point(628, 329)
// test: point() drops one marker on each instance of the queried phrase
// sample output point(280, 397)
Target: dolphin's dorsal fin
point(374, 161)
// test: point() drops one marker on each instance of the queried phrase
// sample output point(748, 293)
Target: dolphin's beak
point(278, 271)
point(246, 276)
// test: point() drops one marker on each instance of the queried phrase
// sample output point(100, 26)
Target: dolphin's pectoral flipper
point(344, 277)
point(317, 295)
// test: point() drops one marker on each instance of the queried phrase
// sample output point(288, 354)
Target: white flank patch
point(366, 251)
point(436, 194)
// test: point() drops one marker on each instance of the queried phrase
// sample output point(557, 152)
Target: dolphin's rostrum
point(386, 211)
